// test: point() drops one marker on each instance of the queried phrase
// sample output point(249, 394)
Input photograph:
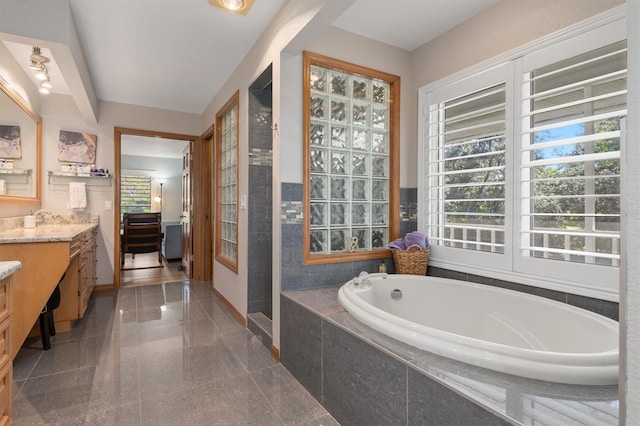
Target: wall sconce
point(37, 63)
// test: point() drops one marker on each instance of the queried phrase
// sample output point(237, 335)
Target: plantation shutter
point(570, 157)
point(467, 170)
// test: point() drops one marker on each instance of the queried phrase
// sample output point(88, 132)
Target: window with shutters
point(521, 170)
point(135, 194)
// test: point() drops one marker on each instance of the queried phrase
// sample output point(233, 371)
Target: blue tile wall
point(260, 201)
point(361, 386)
point(301, 345)
point(295, 275)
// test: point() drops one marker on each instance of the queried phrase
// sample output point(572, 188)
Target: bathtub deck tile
point(430, 403)
point(301, 349)
point(361, 386)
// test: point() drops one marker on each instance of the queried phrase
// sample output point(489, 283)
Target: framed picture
point(10, 145)
point(75, 147)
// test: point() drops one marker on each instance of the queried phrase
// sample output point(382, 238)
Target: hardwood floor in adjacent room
point(145, 270)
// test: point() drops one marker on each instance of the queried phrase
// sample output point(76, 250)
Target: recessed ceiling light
point(236, 6)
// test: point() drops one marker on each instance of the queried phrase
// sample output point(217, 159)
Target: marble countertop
point(8, 267)
point(45, 233)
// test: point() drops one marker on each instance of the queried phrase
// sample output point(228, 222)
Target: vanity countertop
point(45, 233)
point(8, 267)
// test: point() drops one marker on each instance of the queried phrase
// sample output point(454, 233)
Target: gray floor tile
point(27, 358)
point(290, 400)
point(157, 355)
point(324, 420)
point(225, 401)
point(184, 368)
point(169, 337)
point(251, 352)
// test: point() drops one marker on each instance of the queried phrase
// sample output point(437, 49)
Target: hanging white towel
point(3, 187)
point(77, 196)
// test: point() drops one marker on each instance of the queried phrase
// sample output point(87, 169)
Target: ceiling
point(145, 146)
point(177, 54)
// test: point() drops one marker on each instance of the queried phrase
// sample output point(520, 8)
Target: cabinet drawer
point(5, 302)
point(5, 339)
point(75, 247)
point(5, 394)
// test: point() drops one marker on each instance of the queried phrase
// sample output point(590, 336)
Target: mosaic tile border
point(260, 157)
point(291, 212)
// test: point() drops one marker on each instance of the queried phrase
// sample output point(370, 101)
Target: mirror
point(20, 142)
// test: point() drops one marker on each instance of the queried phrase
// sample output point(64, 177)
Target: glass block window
point(350, 160)
point(227, 184)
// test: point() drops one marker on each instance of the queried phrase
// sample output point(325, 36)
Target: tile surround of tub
point(602, 307)
point(301, 345)
point(360, 386)
point(295, 275)
point(331, 354)
point(434, 384)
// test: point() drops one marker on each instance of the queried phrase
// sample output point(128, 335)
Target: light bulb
point(233, 4)
point(44, 90)
point(46, 83)
point(42, 74)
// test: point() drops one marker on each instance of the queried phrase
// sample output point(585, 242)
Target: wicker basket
point(411, 261)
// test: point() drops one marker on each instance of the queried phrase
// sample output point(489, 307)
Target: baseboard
point(275, 353)
point(237, 315)
point(104, 287)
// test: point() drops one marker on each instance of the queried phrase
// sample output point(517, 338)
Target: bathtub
point(494, 328)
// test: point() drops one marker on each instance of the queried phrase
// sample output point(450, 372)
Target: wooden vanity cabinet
point(79, 280)
point(6, 364)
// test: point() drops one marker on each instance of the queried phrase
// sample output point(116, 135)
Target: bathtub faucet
point(364, 277)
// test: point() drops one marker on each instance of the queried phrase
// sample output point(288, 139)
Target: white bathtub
point(490, 327)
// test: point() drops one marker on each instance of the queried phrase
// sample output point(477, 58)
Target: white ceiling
point(176, 54)
point(144, 146)
point(408, 24)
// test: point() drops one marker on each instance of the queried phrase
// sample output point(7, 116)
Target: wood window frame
point(313, 59)
point(233, 102)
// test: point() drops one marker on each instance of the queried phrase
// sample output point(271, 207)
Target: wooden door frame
point(197, 216)
point(203, 203)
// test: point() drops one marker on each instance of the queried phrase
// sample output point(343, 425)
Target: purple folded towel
point(418, 238)
point(397, 244)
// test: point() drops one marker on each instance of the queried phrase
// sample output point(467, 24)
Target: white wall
point(630, 277)
point(297, 18)
point(59, 112)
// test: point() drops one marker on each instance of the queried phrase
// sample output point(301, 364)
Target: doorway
point(259, 303)
point(155, 161)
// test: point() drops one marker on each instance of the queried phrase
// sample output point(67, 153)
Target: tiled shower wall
point(295, 275)
point(260, 201)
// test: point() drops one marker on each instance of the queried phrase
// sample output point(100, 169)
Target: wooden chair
point(141, 233)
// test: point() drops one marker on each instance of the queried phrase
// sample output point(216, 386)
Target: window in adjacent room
point(135, 194)
point(351, 119)
point(227, 184)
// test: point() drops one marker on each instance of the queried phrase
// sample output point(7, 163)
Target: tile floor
point(167, 354)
